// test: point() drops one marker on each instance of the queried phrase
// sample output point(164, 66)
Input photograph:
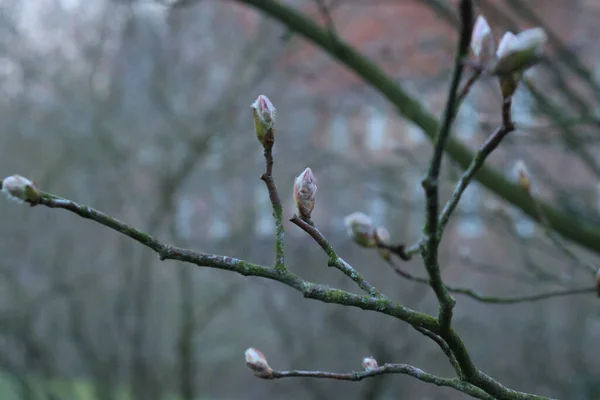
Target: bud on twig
point(382, 237)
point(305, 191)
point(19, 189)
point(523, 176)
point(256, 361)
point(482, 41)
point(264, 119)
point(508, 82)
point(360, 228)
point(369, 364)
point(517, 53)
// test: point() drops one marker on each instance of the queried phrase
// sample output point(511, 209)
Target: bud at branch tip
point(264, 120)
point(19, 189)
point(305, 191)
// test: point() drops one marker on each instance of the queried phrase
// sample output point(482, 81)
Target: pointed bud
point(522, 176)
point(360, 228)
point(598, 282)
point(482, 41)
point(369, 364)
point(256, 361)
point(19, 189)
point(264, 119)
point(517, 53)
point(382, 237)
point(305, 191)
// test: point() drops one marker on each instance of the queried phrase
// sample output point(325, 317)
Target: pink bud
point(482, 41)
point(256, 361)
point(369, 364)
point(305, 191)
point(264, 119)
point(360, 229)
point(18, 188)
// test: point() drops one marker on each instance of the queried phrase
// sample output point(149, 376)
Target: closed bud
point(361, 230)
point(256, 361)
point(19, 189)
point(482, 41)
point(264, 120)
point(369, 364)
point(522, 176)
point(517, 53)
point(305, 192)
point(382, 238)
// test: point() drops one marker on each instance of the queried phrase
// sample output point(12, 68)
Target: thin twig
point(495, 299)
point(431, 181)
point(267, 178)
point(403, 252)
point(492, 142)
point(445, 349)
point(404, 369)
point(335, 260)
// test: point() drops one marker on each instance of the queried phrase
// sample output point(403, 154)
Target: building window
point(339, 133)
point(264, 224)
point(376, 129)
point(470, 225)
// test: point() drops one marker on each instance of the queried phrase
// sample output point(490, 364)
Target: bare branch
point(335, 260)
point(403, 369)
point(431, 182)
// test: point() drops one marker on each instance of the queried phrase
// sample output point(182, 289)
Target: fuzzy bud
point(361, 230)
point(256, 361)
point(369, 364)
point(522, 173)
point(19, 189)
point(382, 237)
point(264, 120)
point(482, 41)
point(516, 53)
point(305, 192)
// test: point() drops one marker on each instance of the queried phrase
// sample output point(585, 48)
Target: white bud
point(369, 363)
point(482, 41)
point(517, 53)
point(19, 189)
point(360, 229)
point(256, 361)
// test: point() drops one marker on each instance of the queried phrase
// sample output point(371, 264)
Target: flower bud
point(256, 361)
point(382, 237)
point(369, 364)
point(305, 191)
point(482, 41)
point(517, 53)
point(19, 189)
point(523, 176)
point(360, 228)
point(264, 119)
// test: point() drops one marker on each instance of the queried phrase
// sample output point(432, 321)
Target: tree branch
point(404, 369)
point(267, 177)
point(431, 182)
point(334, 260)
point(580, 231)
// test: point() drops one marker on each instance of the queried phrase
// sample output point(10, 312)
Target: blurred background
point(142, 110)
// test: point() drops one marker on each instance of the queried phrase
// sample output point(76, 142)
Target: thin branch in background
point(494, 299)
point(431, 181)
point(445, 349)
point(325, 11)
point(334, 260)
